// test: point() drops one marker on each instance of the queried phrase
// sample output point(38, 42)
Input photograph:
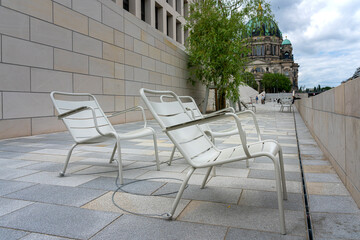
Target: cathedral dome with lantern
point(269, 51)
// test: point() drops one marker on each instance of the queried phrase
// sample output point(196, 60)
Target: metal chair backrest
point(191, 141)
point(81, 125)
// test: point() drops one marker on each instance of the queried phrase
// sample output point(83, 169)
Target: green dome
point(286, 42)
point(256, 28)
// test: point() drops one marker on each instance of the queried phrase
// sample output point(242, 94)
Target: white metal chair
point(190, 105)
point(200, 152)
point(286, 103)
point(247, 105)
point(87, 124)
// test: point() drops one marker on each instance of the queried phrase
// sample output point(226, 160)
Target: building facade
point(270, 52)
point(107, 48)
point(167, 16)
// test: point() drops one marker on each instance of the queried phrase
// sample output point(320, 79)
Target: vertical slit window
point(168, 22)
point(178, 6)
point(178, 32)
point(186, 9)
point(126, 5)
point(157, 18)
point(143, 10)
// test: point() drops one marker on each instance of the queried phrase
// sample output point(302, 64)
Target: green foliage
point(249, 79)
point(320, 89)
point(325, 88)
point(276, 82)
point(217, 51)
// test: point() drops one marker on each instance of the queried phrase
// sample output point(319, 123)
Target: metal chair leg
point(61, 174)
point(119, 161)
point(206, 177)
point(113, 154)
point(181, 190)
point(172, 155)
point(156, 151)
point(279, 196)
point(282, 172)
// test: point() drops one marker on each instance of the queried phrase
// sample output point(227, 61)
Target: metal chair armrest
point(254, 119)
point(80, 109)
point(71, 112)
point(129, 110)
point(225, 110)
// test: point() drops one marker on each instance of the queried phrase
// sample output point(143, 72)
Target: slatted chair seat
point(186, 133)
point(190, 105)
point(88, 124)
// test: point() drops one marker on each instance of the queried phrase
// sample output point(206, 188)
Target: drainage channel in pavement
point(305, 195)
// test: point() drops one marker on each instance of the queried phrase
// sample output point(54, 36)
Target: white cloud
point(325, 38)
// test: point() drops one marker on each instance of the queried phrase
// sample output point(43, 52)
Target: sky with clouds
point(325, 35)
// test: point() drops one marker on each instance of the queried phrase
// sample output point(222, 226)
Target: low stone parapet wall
point(333, 118)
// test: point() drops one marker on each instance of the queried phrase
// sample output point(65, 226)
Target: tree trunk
point(220, 100)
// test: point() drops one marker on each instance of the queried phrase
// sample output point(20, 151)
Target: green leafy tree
point(249, 79)
point(217, 45)
point(276, 82)
point(326, 88)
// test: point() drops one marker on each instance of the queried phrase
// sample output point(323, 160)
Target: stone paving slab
point(327, 188)
point(242, 234)
point(37, 236)
point(225, 170)
point(6, 234)
point(315, 162)
point(61, 195)
point(333, 204)
point(10, 205)
point(336, 226)
point(58, 220)
point(254, 218)
point(267, 174)
point(194, 192)
point(13, 173)
point(322, 177)
point(7, 186)
point(138, 187)
point(137, 227)
point(252, 184)
point(269, 200)
point(14, 163)
point(287, 161)
point(136, 204)
point(54, 179)
point(55, 167)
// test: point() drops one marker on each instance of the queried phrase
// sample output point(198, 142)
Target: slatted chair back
point(191, 106)
point(191, 141)
point(81, 125)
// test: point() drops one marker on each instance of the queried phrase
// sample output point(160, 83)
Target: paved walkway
point(239, 203)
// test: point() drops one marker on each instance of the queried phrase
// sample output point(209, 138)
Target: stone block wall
point(89, 46)
point(333, 118)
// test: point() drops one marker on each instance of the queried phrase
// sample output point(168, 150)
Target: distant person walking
point(257, 98)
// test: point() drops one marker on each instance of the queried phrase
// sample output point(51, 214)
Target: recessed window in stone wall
point(169, 25)
point(178, 31)
point(126, 5)
point(143, 10)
